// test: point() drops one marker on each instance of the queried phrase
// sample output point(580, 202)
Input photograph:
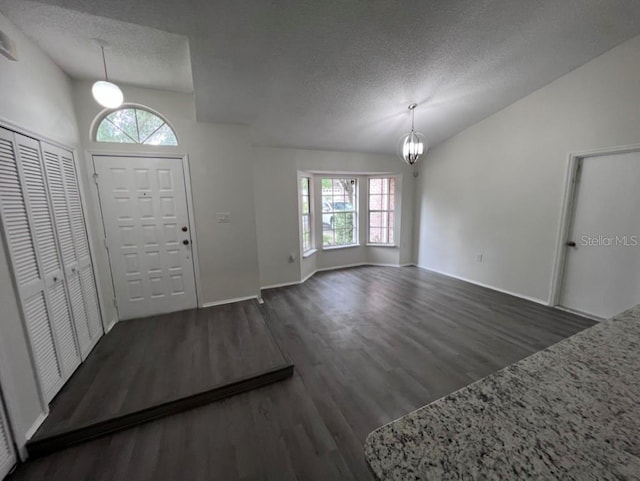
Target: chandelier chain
point(104, 63)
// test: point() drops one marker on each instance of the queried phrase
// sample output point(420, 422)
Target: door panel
point(74, 246)
point(44, 350)
point(18, 229)
point(81, 242)
point(37, 200)
point(42, 221)
point(602, 272)
point(144, 210)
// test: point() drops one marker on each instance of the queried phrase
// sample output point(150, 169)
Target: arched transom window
point(133, 125)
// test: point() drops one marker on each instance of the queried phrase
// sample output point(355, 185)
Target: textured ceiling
point(136, 55)
point(339, 74)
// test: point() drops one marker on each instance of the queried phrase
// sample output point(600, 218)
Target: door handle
point(184, 228)
point(185, 242)
point(570, 244)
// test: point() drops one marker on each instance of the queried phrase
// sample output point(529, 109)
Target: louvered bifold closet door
point(74, 245)
point(33, 273)
point(7, 453)
point(34, 184)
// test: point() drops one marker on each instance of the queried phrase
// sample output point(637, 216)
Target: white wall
point(221, 181)
point(276, 188)
point(497, 187)
point(34, 95)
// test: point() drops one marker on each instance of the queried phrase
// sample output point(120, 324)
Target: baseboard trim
point(307, 277)
point(359, 264)
point(111, 325)
point(323, 269)
point(488, 286)
point(228, 301)
point(21, 444)
point(56, 442)
point(282, 284)
point(35, 426)
point(579, 313)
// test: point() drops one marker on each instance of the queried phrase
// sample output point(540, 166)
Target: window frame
point(306, 252)
point(102, 117)
point(355, 210)
point(390, 230)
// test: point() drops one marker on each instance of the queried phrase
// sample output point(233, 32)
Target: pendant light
point(412, 146)
point(104, 92)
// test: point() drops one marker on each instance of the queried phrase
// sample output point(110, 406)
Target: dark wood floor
point(148, 362)
point(369, 344)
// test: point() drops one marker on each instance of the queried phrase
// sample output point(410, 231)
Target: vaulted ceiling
point(337, 74)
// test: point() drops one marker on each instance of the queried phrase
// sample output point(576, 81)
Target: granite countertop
point(569, 412)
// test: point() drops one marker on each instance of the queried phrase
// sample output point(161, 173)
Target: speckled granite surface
point(569, 412)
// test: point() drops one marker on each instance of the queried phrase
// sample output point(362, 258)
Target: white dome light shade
point(412, 147)
point(107, 94)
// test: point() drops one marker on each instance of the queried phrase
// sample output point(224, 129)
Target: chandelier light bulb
point(104, 92)
point(413, 145)
point(107, 94)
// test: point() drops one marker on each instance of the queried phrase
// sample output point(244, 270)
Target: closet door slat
point(41, 335)
point(7, 453)
point(16, 224)
point(81, 241)
point(79, 312)
point(44, 226)
point(72, 235)
point(24, 259)
point(34, 184)
point(59, 205)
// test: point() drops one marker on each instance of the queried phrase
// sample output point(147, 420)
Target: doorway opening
point(147, 217)
point(597, 270)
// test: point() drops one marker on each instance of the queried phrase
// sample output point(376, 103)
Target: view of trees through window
point(339, 212)
point(135, 126)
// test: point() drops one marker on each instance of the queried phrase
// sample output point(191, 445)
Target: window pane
point(135, 126)
point(381, 206)
point(148, 123)
point(125, 120)
point(375, 235)
point(339, 211)
point(107, 132)
point(307, 238)
point(375, 186)
point(164, 136)
point(375, 219)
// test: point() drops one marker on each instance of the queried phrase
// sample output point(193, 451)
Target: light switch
point(223, 217)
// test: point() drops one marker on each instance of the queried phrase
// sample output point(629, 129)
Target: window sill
point(309, 253)
point(333, 248)
point(382, 245)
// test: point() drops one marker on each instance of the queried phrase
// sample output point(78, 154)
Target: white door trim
point(188, 194)
point(568, 210)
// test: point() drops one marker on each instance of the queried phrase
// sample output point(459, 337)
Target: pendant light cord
point(413, 114)
point(104, 62)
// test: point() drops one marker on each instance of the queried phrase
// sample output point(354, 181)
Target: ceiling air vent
point(7, 47)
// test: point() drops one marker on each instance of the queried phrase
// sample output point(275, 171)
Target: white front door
point(602, 270)
point(146, 220)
